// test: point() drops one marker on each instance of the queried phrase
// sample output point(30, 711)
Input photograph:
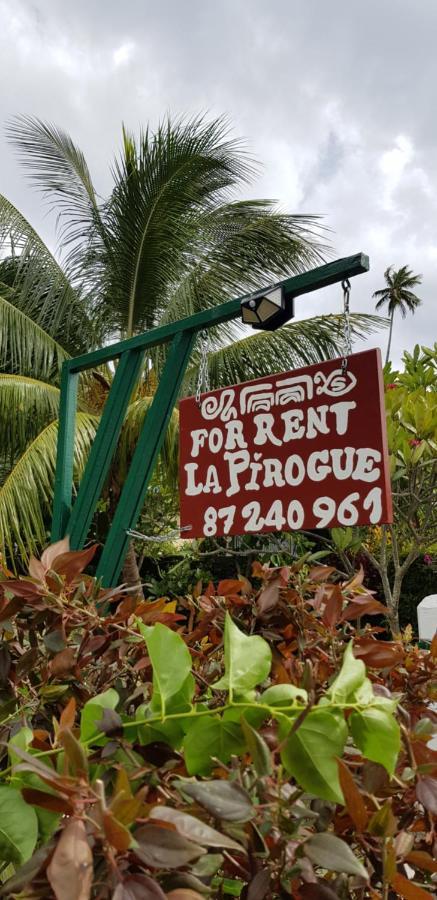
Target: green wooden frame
point(74, 520)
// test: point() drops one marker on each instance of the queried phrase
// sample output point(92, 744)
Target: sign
point(299, 450)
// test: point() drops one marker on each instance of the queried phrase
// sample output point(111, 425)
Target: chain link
point(347, 337)
point(203, 374)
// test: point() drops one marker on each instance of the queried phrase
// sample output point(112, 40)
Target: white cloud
point(123, 54)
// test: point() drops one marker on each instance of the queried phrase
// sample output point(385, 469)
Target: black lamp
point(267, 310)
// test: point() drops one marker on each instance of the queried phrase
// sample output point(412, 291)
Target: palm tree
point(170, 239)
point(398, 295)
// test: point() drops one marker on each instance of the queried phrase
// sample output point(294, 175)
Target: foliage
point(170, 239)
point(411, 415)
point(229, 743)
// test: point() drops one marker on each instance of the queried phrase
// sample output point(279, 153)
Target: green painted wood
point(103, 449)
point(65, 453)
point(144, 459)
point(182, 335)
point(294, 286)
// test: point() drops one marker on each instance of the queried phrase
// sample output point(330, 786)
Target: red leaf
point(73, 563)
point(378, 654)
point(426, 793)
point(63, 662)
point(321, 573)
point(47, 801)
point(53, 551)
point(22, 588)
point(354, 802)
point(362, 607)
point(408, 890)
point(68, 714)
point(268, 598)
point(333, 606)
point(116, 833)
point(258, 889)
point(317, 891)
point(163, 849)
point(139, 887)
point(229, 586)
point(422, 860)
point(70, 872)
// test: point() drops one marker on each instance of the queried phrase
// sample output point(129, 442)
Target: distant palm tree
point(398, 295)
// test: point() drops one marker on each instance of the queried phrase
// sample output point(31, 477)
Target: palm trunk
point(131, 574)
point(389, 336)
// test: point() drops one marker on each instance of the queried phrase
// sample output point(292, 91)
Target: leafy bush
point(229, 743)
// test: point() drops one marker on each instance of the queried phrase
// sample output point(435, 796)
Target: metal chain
point(347, 338)
point(203, 374)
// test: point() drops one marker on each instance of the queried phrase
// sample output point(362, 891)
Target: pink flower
point(414, 442)
point(391, 387)
point(427, 559)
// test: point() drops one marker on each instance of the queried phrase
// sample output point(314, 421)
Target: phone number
point(324, 509)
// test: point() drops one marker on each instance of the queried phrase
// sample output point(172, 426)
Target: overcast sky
point(337, 99)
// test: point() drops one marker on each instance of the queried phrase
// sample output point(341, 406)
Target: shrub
point(227, 743)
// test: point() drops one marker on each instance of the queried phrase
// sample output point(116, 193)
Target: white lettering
point(238, 463)
point(198, 436)
point(264, 423)
point(319, 474)
point(192, 488)
point(341, 411)
point(364, 470)
point(212, 483)
point(235, 436)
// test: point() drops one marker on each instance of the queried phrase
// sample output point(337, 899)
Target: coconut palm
point(169, 239)
point(398, 296)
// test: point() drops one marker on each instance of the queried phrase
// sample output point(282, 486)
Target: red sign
point(304, 449)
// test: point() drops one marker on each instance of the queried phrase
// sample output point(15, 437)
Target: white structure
point(427, 617)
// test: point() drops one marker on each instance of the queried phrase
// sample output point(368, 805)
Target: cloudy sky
point(337, 99)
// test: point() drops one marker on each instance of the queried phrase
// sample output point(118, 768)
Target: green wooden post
point(143, 462)
point(181, 334)
point(65, 453)
point(102, 451)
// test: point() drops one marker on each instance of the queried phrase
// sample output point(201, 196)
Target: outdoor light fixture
point(267, 310)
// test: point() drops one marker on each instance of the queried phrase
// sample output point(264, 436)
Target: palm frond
point(41, 289)
point(296, 344)
point(163, 187)
point(25, 346)
point(242, 246)
point(26, 495)
point(26, 406)
point(135, 417)
point(58, 167)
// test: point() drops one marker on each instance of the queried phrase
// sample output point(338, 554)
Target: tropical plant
point(167, 749)
point(169, 239)
point(411, 416)
point(398, 295)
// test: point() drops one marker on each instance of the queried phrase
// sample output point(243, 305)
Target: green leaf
point(330, 852)
point(376, 733)
point(351, 677)
point(342, 537)
point(18, 827)
point(258, 749)
point(211, 736)
point(92, 714)
point(283, 695)
point(247, 660)
point(309, 754)
point(171, 662)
